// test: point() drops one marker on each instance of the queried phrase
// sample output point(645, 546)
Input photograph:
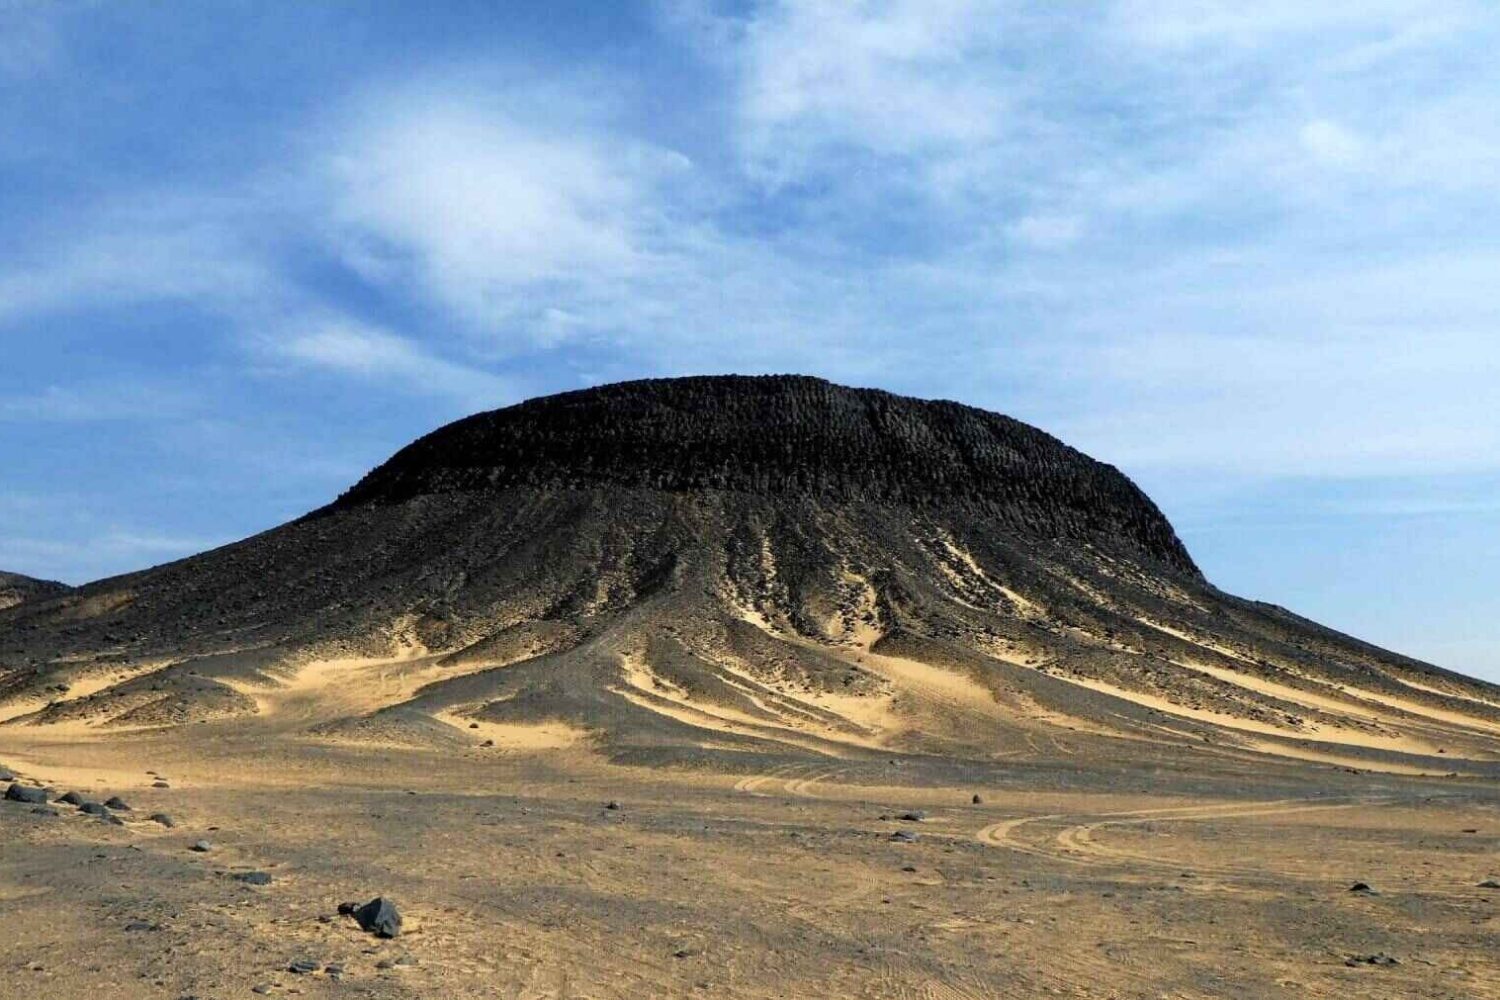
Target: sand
point(1108, 860)
point(1094, 880)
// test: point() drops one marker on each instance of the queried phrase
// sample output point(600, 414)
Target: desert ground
point(740, 688)
point(548, 865)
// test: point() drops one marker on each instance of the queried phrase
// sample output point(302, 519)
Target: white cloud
point(1189, 23)
point(1047, 232)
point(1330, 143)
point(143, 249)
point(100, 551)
point(350, 348)
point(99, 401)
point(501, 222)
point(905, 79)
point(896, 76)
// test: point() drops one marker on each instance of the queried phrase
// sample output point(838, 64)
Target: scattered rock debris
point(1379, 958)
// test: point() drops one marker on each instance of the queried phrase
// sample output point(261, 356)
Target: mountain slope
point(15, 589)
point(737, 564)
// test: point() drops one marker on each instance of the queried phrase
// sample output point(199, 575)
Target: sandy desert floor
point(1076, 874)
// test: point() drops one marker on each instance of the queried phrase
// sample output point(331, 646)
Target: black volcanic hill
point(15, 589)
point(779, 436)
point(737, 565)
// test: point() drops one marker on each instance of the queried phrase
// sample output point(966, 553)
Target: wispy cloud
point(350, 348)
point(99, 401)
point(139, 247)
point(97, 554)
point(497, 214)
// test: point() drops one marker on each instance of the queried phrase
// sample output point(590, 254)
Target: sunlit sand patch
point(647, 690)
point(79, 688)
point(1345, 737)
point(328, 689)
point(1026, 606)
point(1447, 694)
point(1199, 641)
point(517, 737)
point(1338, 760)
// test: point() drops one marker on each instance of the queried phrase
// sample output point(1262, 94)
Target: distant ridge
point(15, 589)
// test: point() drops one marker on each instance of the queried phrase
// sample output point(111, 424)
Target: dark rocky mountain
point(15, 588)
point(786, 438)
point(734, 563)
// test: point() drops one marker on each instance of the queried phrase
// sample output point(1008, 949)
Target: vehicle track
point(1075, 843)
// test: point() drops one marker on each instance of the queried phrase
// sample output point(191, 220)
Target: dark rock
point(809, 437)
point(904, 837)
point(160, 784)
point(347, 909)
point(612, 805)
point(72, 799)
point(379, 917)
point(45, 811)
point(261, 988)
point(1363, 889)
point(163, 819)
point(908, 868)
point(473, 725)
point(1376, 959)
point(976, 800)
point(253, 878)
point(915, 816)
point(488, 743)
point(23, 793)
point(202, 847)
point(94, 808)
point(141, 925)
point(1490, 883)
point(304, 966)
point(115, 802)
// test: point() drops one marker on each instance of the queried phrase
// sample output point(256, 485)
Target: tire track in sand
point(1079, 838)
point(1075, 843)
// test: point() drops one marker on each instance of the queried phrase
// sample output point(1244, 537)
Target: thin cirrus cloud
point(349, 348)
point(450, 194)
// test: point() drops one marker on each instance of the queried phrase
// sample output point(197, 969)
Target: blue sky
point(1247, 252)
